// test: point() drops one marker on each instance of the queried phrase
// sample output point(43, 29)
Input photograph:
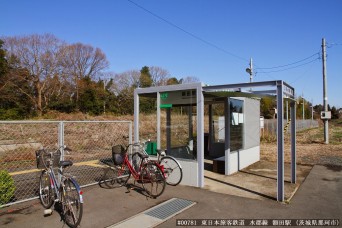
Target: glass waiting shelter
point(194, 121)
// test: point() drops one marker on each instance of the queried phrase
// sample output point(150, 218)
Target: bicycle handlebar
point(51, 154)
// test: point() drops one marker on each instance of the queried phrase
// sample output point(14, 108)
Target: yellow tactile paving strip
point(93, 163)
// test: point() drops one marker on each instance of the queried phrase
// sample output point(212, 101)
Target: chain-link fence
point(270, 125)
point(90, 142)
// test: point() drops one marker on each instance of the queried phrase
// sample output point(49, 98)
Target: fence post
point(61, 138)
point(61, 143)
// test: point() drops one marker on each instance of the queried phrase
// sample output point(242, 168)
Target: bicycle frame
point(159, 157)
point(53, 181)
point(135, 173)
point(56, 184)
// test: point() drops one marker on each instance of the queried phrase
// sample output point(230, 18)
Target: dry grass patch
point(311, 148)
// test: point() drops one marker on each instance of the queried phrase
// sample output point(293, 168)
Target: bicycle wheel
point(115, 177)
point(172, 170)
point(152, 179)
point(45, 190)
point(72, 204)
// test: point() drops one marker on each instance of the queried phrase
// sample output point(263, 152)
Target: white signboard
point(262, 122)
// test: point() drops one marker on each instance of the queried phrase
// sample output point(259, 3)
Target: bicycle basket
point(118, 153)
point(45, 154)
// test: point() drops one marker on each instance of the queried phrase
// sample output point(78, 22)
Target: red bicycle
point(121, 167)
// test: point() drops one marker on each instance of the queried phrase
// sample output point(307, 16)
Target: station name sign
point(288, 91)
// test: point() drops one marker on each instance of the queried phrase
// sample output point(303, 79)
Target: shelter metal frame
point(281, 90)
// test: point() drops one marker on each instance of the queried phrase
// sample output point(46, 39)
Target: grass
point(312, 135)
point(311, 148)
point(316, 135)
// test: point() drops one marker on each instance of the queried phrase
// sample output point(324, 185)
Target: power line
point(293, 81)
point(289, 68)
point(223, 50)
point(329, 45)
point(188, 33)
point(302, 60)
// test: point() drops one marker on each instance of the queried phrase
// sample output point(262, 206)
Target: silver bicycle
point(62, 190)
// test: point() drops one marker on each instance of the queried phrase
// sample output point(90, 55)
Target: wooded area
point(41, 73)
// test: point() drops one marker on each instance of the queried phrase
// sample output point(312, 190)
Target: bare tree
point(58, 88)
point(38, 54)
point(80, 61)
point(123, 87)
point(159, 76)
point(189, 79)
point(125, 81)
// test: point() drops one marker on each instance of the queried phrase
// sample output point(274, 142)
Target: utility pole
point(250, 71)
point(312, 111)
point(251, 67)
point(104, 92)
point(303, 107)
point(325, 92)
point(104, 100)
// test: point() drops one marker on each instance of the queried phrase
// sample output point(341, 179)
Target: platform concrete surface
point(257, 181)
point(318, 197)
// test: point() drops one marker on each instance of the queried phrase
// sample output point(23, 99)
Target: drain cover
point(169, 208)
point(157, 214)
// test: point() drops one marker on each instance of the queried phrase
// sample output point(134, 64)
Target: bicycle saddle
point(161, 152)
point(65, 163)
point(143, 156)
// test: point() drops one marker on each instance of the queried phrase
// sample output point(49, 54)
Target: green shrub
point(7, 187)
point(11, 114)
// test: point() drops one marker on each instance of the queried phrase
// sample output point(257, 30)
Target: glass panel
point(218, 123)
point(182, 128)
point(236, 124)
point(148, 119)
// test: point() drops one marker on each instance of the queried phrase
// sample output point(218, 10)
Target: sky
point(212, 40)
